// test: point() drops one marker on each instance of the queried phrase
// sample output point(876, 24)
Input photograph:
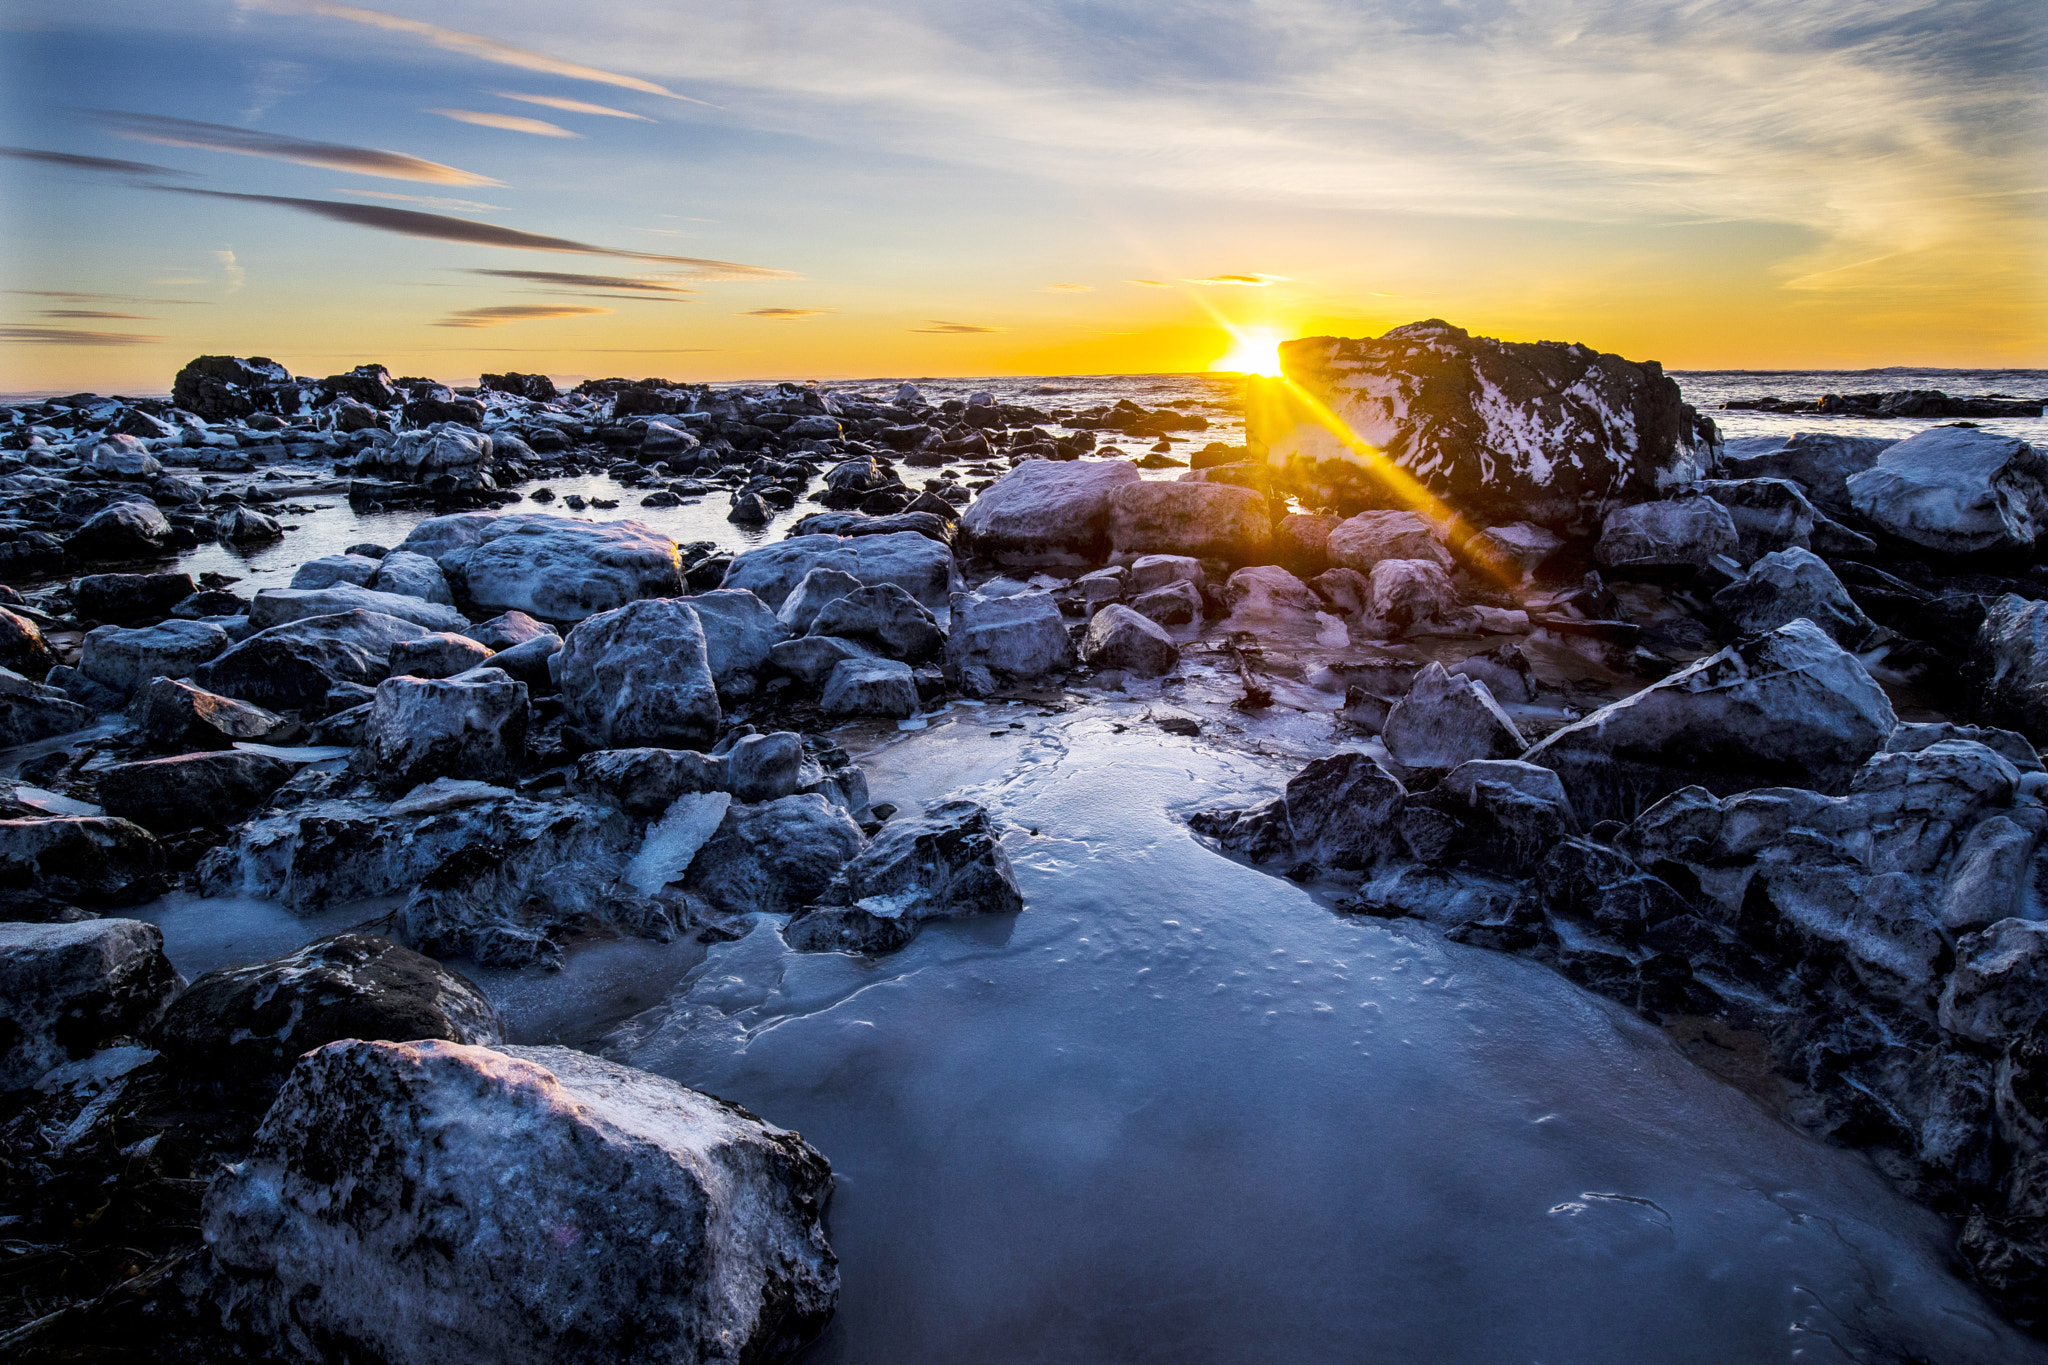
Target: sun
point(1253, 350)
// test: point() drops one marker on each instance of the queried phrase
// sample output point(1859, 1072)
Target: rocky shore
point(1739, 733)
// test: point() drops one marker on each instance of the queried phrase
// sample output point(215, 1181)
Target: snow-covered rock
point(1047, 512)
point(641, 675)
point(1957, 490)
point(417, 1202)
point(71, 987)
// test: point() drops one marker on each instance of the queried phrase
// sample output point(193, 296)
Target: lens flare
point(1253, 350)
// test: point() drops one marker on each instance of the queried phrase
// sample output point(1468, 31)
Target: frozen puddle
point(1178, 1111)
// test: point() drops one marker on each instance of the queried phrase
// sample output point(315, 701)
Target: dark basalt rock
point(191, 790)
point(129, 599)
point(945, 864)
point(218, 387)
point(70, 988)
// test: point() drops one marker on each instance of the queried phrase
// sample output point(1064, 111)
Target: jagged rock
point(1047, 512)
point(870, 687)
point(1120, 638)
point(176, 715)
point(644, 781)
point(1506, 673)
point(946, 864)
point(129, 599)
point(31, 711)
point(1600, 887)
point(2008, 665)
point(122, 457)
point(1413, 596)
point(810, 595)
point(22, 645)
point(70, 988)
point(1339, 812)
point(2013, 748)
point(1364, 540)
point(1769, 514)
point(697, 1229)
point(1788, 585)
point(440, 655)
point(218, 387)
point(1789, 706)
point(191, 790)
point(1446, 720)
point(278, 606)
point(1819, 462)
point(740, 635)
point(245, 526)
point(123, 659)
point(1957, 490)
point(921, 567)
point(509, 630)
point(996, 638)
point(1503, 431)
point(810, 659)
point(412, 575)
point(90, 859)
point(473, 727)
point(445, 447)
point(292, 666)
point(775, 856)
point(328, 570)
point(1677, 533)
point(1878, 922)
point(1516, 551)
point(126, 530)
point(247, 1026)
point(1999, 987)
point(1200, 520)
point(641, 675)
point(1099, 586)
point(555, 568)
point(885, 616)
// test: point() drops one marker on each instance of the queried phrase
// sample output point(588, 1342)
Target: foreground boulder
point(1048, 512)
point(276, 606)
point(1786, 708)
point(994, 639)
point(292, 666)
point(472, 727)
point(1671, 534)
point(774, 856)
point(555, 568)
point(70, 988)
point(247, 1026)
point(123, 659)
point(1447, 719)
point(869, 686)
point(421, 1202)
point(945, 864)
point(1819, 462)
point(1957, 490)
point(90, 859)
point(126, 530)
point(1364, 540)
point(176, 715)
point(1503, 431)
point(1201, 520)
point(1120, 638)
point(641, 675)
point(191, 790)
point(1788, 585)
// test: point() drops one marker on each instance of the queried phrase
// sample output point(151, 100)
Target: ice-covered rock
point(509, 630)
point(1769, 514)
point(998, 638)
point(1503, 431)
point(740, 635)
point(328, 570)
point(1517, 550)
point(1047, 512)
point(1788, 585)
point(246, 1026)
point(1819, 462)
point(2008, 665)
point(1445, 720)
point(1177, 604)
point(645, 781)
point(1364, 540)
point(22, 645)
point(125, 659)
point(473, 727)
point(1120, 638)
point(90, 859)
point(552, 567)
point(1199, 520)
point(409, 574)
point(191, 790)
point(1991, 877)
point(885, 616)
point(1957, 490)
point(445, 448)
point(773, 856)
point(176, 715)
point(673, 841)
point(810, 595)
point(870, 687)
point(944, 864)
point(1149, 572)
point(641, 675)
point(414, 1202)
point(292, 666)
point(1999, 987)
point(1338, 812)
point(919, 566)
point(278, 606)
point(1787, 707)
point(70, 988)
point(125, 530)
point(1264, 594)
point(247, 526)
point(442, 654)
point(1413, 596)
point(810, 659)
point(1670, 534)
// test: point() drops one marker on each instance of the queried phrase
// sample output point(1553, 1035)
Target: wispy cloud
point(504, 314)
point(468, 44)
point(787, 314)
point(1070, 288)
point(568, 280)
point(954, 328)
point(237, 275)
point(274, 80)
point(427, 201)
point(1152, 284)
point(335, 156)
point(67, 336)
point(1252, 281)
point(81, 296)
point(93, 313)
point(570, 106)
point(510, 123)
point(88, 163)
point(438, 227)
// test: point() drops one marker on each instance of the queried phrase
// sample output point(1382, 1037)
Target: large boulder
point(998, 638)
point(176, 715)
point(1502, 431)
point(556, 568)
point(921, 567)
point(1448, 719)
point(1048, 512)
point(645, 781)
point(1338, 812)
point(125, 659)
point(278, 606)
point(774, 855)
point(191, 790)
point(126, 530)
point(945, 864)
point(129, 599)
point(885, 616)
point(247, 1026)
point(292, 666)
point(416, 1202)
point(1790, 584)
point(1262, 595)
point(810, 659)
point(1671, 534)
point(328, 570)
point(218, 387)
point(740, 634)
point(410, 574)
point(471, 727)
point(1786, 708)
point(448, 448)
point(869, 686)
point(1364, 540)
point(1120, 638)
point(641, 675)
point(1413, 597)
point(70, 988)
point(2008, 665)
point(810, 595)
point(1819, 462)
point(1957, 490)
point(1200, 520)
point(92, 859)
point(1769, 514)
point(442, 654)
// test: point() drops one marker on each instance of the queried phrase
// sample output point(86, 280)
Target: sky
point(826, 190)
